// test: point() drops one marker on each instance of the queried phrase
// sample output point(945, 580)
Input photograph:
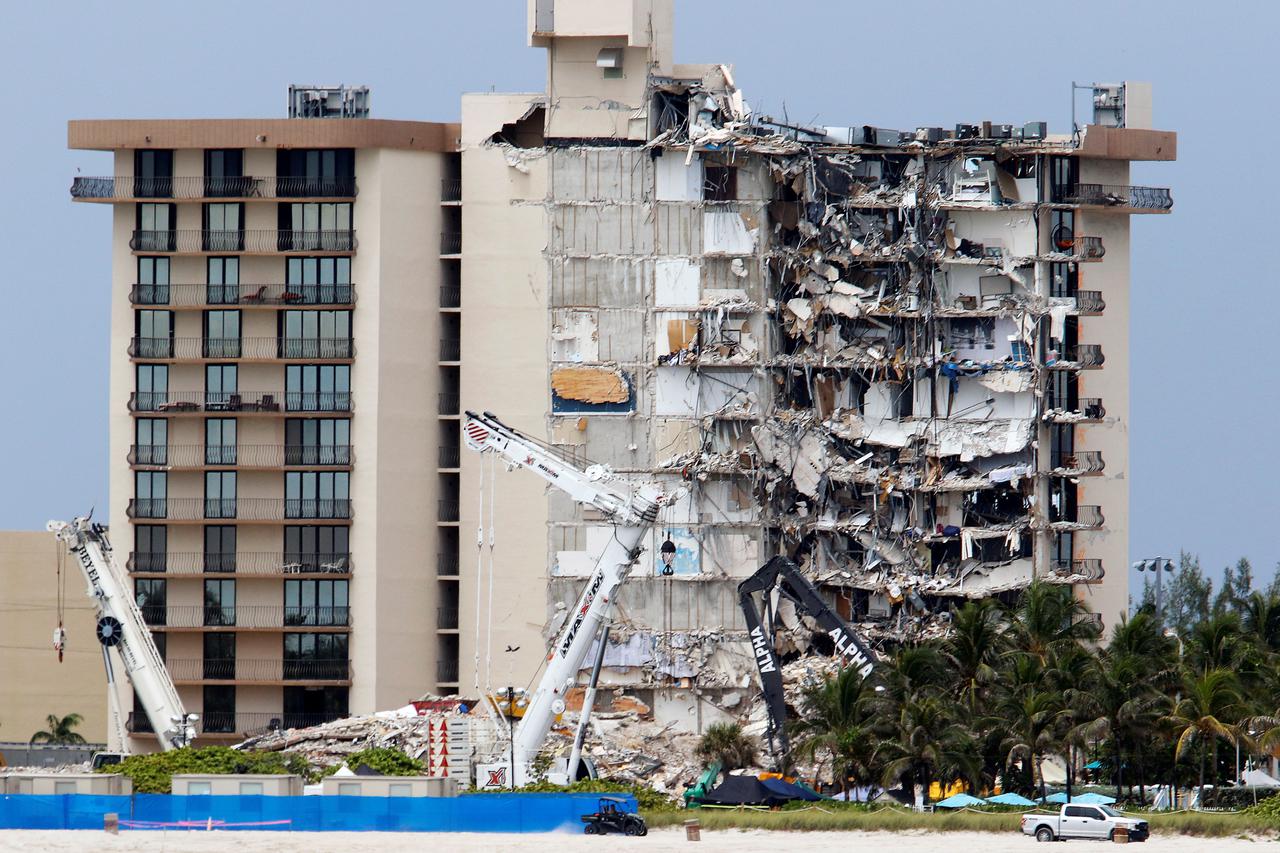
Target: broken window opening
point(671, 113)
point(1064, 279)
point(720, 183)
point(525, 132)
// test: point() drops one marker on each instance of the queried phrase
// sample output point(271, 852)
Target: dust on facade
point(899, 357)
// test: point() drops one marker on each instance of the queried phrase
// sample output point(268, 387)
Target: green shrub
point(385, 760)
point(153, 773)
point(648, 799)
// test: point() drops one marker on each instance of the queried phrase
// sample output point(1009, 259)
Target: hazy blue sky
point(1204, 298)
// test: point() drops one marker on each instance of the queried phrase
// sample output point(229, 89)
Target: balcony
point(241, 509)
point(1090, 302)
point(127, 188)
point(447, 565)
point(1083, 516)
point(222, 349)
point(241, 456)
point(450, 296)
point(265, 563)
point(1079, 357)
point(197, 402)
point(1090, 569)
point(1077, 464)
point(447, 509)
point(451, 189)
point(448, 457)
point(199, 295)
point(1119, 195)
point(1083, 248)
point(446, 672)
point(238, 725)
point(448, 403)
point(451, 242)
point(257, 670)
point(1084, 409)
point(257, 242)
point(450, 349)
point(447, 618)
point(246, 616)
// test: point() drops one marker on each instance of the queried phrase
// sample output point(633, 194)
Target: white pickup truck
point(1078, 820)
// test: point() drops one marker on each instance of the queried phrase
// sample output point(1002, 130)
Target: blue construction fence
point(465, 813)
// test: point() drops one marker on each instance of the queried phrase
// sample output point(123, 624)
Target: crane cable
point(60, 634)
point(486, 697)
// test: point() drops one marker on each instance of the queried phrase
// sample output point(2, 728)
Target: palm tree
point(1049, 616)
point(974, 649)
point(927, 743)
point(1202, 715)
point(1262, 619)
point(60, 730)
point(833, 722)
point(725, 743)
point(1121, 707)
point(1033, 726)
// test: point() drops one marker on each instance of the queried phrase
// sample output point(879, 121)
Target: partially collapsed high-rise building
point(899, 356)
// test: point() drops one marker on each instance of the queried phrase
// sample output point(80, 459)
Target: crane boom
point(632, 512)
point(121, 626)
point(784, 576)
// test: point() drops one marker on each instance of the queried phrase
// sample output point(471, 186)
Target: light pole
point(1173, 788)
point(1159, 565)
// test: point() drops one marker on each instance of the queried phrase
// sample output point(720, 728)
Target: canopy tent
point(790, 791)
point(1087, 799)
point(959, 801)
point(1010, 799)
point(1259, 779)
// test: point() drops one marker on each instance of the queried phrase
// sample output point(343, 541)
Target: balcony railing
point(447, 565)
point(241, 562)
point(321, 349)
point(1087, 248)
point(448, 456)
point(1119, 195)
point(180, 402)
point(1090, 569)
point(450, 349)
point(243, 455)
point(129, 187)
point(225, 722)
point(197, 241)
point(246, 616)
point(242, 294)
point(244, 509)
point(447, 618)
point(1079, 462)
point(447, 672)
point(451, 189)
point(1087, 408)
point(1083, 516)
point(450, 242)
point(450, 296)
point(1080, 356)
point(1090, 302)
point(255, 669)
point(447, 510)
point(448, 403)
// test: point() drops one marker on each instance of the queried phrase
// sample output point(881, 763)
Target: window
point(323, 226)
point(220, 656)
point(973, 333)
point(153, 282)
point(151, 441)
point(150, 491)
point(153, 334)
point(220, 387)
point(1062, 232)
point(224, 227)
point(315, 656)
point(155, 228)
point(219, 602)
point(315, 334)
point(222, 334)
point(152, 387)
point(316, 172)
point(318, 388)
point(317, 549)
point(318, 280)
point(348, 789)
point(219, 494)
point(720, 183)
point(224, 173)
point(149, 594)
point(64, 788)
point(150, 547)
point(1064, 174)
point(315, 602)
point(219, 708)
point(317, 441)
point(1064, 279)
point(305, 706)
point(223, 281)
point(153, 173)
point(317, 494)
point(202, 789)
point(253, 789)
point(220, 441)
point(220, 548)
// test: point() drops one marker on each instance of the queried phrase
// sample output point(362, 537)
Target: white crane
point(121, 626)
point(632, 511)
